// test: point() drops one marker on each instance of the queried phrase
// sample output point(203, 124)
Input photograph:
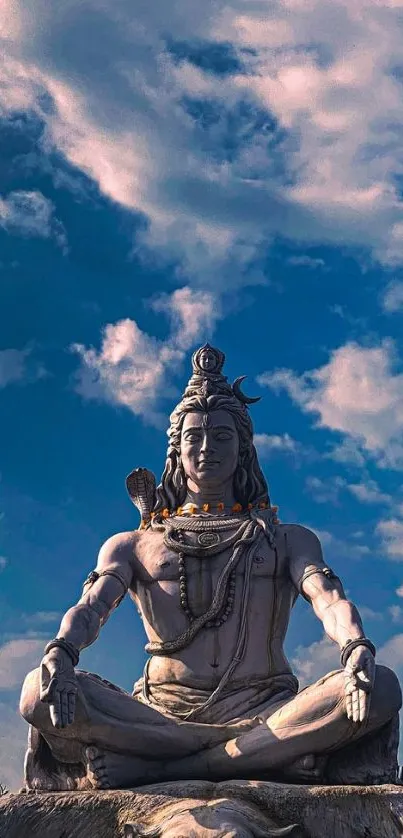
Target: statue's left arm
point(340, 618)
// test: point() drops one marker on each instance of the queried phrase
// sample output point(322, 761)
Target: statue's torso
point(155, 590)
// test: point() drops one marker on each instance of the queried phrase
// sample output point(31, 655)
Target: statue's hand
point(59, 687)
point(359, 679)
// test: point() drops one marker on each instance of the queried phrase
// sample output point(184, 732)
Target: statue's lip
point(209, 462)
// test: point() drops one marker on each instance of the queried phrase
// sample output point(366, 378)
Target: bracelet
point(352, 644)
point(61, 643)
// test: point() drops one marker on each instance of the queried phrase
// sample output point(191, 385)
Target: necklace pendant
point(209, 539)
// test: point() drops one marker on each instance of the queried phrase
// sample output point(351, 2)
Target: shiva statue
point(214, 576)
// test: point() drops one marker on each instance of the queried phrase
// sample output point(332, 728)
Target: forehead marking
point(206, 421)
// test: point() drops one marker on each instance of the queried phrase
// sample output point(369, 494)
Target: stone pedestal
point(199, 809)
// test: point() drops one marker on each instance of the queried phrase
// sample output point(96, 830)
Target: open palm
point(59, 687)
point(359, 680)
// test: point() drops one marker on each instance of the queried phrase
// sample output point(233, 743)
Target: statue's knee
point(388, 689)
point(30, 696)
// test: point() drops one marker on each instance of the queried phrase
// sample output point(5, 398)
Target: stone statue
point(214, 576)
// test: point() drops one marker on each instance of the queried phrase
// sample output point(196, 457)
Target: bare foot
point(109, 770)
point(43, 772)
point(306, 769)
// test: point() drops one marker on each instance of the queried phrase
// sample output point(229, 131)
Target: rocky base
point(200, 809)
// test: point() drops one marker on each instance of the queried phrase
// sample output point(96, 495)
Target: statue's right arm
point(113, 575)
point(81, 624)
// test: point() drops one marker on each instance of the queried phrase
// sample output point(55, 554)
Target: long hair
point(250, 486)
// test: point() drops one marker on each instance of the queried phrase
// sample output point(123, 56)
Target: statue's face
point(209, 447)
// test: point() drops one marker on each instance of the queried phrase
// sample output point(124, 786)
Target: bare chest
point(159, 564)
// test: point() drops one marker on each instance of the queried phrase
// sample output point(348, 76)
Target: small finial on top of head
point(207, 359)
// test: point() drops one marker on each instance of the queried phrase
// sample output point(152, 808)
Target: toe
point(91, 752)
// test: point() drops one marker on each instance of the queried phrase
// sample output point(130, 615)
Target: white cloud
point(393, 298)
point(328, 175)
point(337, 548)
point(368, 491)
point(328, 491)
point(391, 534)
point(357, 393)
point(3, 562)
point(367, 613)
point(347, 452)
point(267, 444)
point(192, 313)
point(128, 370)
point(31, 214)
point(400, 591)
point(17, 657)
point(324, 491)
point(134, 369)
point(43, 617)
point(312, 662)
point(391, 654)
point(396, 613)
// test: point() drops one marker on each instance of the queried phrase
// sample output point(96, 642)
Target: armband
point(91, 578)
point(327, 571)
point(352, 644)
point(94, 576)
point(69, 648)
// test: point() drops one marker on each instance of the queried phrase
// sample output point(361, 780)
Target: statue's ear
point(140, 484)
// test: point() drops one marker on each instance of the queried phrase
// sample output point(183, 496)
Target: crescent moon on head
point(236, 388)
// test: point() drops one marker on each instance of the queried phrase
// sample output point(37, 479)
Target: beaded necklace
point(210, 546)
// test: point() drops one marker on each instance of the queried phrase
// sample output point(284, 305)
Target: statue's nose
point(206, 445)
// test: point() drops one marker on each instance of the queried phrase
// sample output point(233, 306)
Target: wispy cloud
point(367, 613)
point(18, 366)
point(328, 490)
point(134, 369)
point(393, 297)
point(357, 394)
point(390, 531)
point(396, 613)
point(368, 491)
point(192, 313)
point(338, 548)
point(3, 562)
point(31, 214)
point(268, 444)
point(324, 491)
point(312, 662)
point(306, 262)
point(13, 738)
point(17, 657)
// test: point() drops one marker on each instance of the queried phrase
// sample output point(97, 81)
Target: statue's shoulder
point(118, 547)
point(296, 536)
point(295, 529)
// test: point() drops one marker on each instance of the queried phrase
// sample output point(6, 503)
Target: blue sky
point(172, 173)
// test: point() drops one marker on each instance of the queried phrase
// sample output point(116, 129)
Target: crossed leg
point(107, 721)
point(313, 722)
point(124, 742)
